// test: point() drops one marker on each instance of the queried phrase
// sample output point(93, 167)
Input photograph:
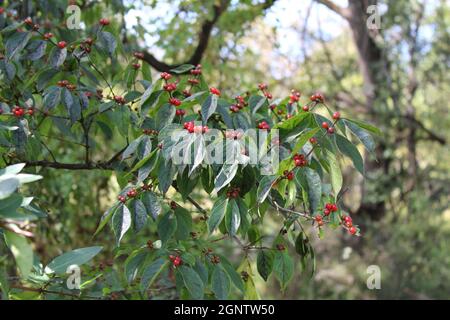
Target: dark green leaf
point(264, 263)
point(347, 148)
point(217, 213)
point(220, 283)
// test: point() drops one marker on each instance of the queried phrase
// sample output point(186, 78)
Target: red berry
point(290, 175)
point(326, 212)
point(61, 44)
point(166, 76)
point(48, 35)
point(180, 112)
point(313, 140)
point(28, 21)
point(268, 95)
point(2, 10)
point(328, 206)
point(214, 91)
point(132, 193)
point(173, 205)
point(122, 199)
point(336, 115)
point(305, 108)
point(334, 208)
point(272, 107)
point(136, 66)
point(174, 101)
point(104, 21)
point(262, 86)
point(325, 125)
point(30, 111)
point(352, 230)
point(347, 219)
point(330, 130)
point(318, 218)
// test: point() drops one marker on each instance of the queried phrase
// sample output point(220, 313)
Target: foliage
point(88, 91)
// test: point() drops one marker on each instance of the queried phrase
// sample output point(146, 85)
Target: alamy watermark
point(374, 280)
point(374, 20)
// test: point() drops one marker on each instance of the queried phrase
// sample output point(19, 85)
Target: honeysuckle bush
point(85, 88)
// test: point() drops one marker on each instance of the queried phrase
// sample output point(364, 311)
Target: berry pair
point(300, 160)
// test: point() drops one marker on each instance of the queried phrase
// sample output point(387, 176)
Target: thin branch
point(343, 12)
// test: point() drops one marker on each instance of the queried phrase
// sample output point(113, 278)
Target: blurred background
point(389, 69)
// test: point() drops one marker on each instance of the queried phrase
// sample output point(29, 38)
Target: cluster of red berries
point(18, 111)
point(176, 260)
point(294, 96)
point(327, 127)
point(330, 207)
point(233, 192)
point(197, 70)
point(240, 103)
point(317, 97)
point(28, 21)
point(319, 220)
point(348, 222)
point(47, 35)
point(120, 100)
point(149, 131)
point(66, 84)
point(180, 112)
point(214, 91)
point(193, 81)
point(132, 193)
point(192, 128)
point(104, 21)
point(165, 75)
point(169, 87)
point(174, 101)
point(61, 44)
point(300, 160)
point(263, 87)
point(263, 125)
point(288, 175)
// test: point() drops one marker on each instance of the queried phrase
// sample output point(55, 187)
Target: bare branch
point(343, 12)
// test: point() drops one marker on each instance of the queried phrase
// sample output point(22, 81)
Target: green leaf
point(52, 97)
point(132, 264)
point(21, 250)
point(166, 174)
point(36, 50)
point(105, 219)
point(283, 267)
point(16, 43)
point(264, 187)
point(107, 42)
point(167, 226)
point(152, 204)
point(362, 135)
point(335, 172)
point(256, 102)
point(304, 137)
point(264, 263)
point(193, 282)
point(8, 186)
point(182, 68)
point(165, 116)
point(71, 104)
point(151, 273)
point(8, 69)
point(131, 148)
point(77, 257)
point(234, 275)
point(366, 126)
point(232, 217)
point(184, 223)
point(139, 214)
point(121, 222)
point(217, 213)
point(314, 188)
point(220, 283)
point(209, 107)
point(57, 57)
point(347, 148)
point(225, 175)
